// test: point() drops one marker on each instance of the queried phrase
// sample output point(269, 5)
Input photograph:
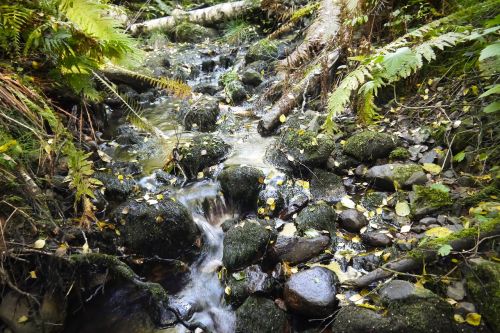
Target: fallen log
point(203, 16)
point(290, 99)
point(427, 254)
point(320, 33)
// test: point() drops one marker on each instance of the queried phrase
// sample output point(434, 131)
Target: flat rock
point(295, 250)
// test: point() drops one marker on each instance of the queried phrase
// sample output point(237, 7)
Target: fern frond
point(12, 20)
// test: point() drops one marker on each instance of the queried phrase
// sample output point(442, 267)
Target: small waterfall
point(204, 293)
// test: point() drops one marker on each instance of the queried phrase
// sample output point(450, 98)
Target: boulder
point(165, 229)
point(251, 77)
point(311, 292)
point(270, 201)
point(244, 244)
point(352, 220)
point(368, 145)
point(260, 315)
point(116, 187)
point(300, 150)
point(295, 250)
point(376, 239)
point(241, 186)
point(355, 319)
point(248, 282)
point(405, 175)
point(327, 186)
point(319, 216)
point(202, 115)
point(235, 92)
point(203, 151)
point(187, 32)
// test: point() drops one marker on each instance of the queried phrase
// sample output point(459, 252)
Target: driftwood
point(203, 16)
point(290, 99)
point(320, 33)
point(408, 264)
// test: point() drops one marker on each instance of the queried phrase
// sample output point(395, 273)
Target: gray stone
point(295, 250)
point(319, 216)
point(202, 115)
point(311, 292)
point(427, 221)
point(396, 290)
point(352, 220)
point(405, 175)
point(241, 186)
point(248, 282)
point(376, 239)
point(251, 77)
point(369, 146)
point(116, 189)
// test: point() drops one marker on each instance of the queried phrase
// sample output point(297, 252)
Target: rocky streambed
point(247, 233)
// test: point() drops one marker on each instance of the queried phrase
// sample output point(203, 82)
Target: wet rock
point(427, 221)
point(202, 115)
point(327, 186)
point(396, 290)
point(340, 162)
point(270, 201)
point(251, 77)
point(300, 150)
point(319, 216)
point(227, 224)
point(376, 239)
point(248, 282)
point(426, 200)
point(482, 285)
point(456, 291)
point(295, 203)
point(165, 229)
point(127, 135)
point(191, 33)
point(372, 200)
point(244, 244)
point(208, 65)
point(206, 88)
point(399, 154)
point(263, 49)
point(235, 92)
point(311, 292)
point(463, 308)
point(117, 187)
point(355, 319)
point(203, 151)
point(352, 220)
point(241, 186)
point(295, 250)
point(260, 315)
point(368, 146)
point(405, 175)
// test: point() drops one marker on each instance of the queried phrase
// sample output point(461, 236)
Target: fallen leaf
point(432, 168)
point(85, 248)
point(438, 232)
point(406, 228)
point(39, 244)
point(227, 290)
point(473, 319)
point(458, 318)
point(282, 118)
point(289, 230)
point(402, 208)
point(347, 202)
point(33, 274)
point(105, 157)
point(22, 319)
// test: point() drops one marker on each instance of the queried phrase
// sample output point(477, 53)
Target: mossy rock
point(355, 319)
point(187, 32)
point(241, 186)
point(372, 200)
point(399, 154)
point(235, 92)
point(263, 49)
point(165, 229)
point(369, 145)
point(203, 151)
point(202, 115)
point(260, 315)
point(426, 200)
point(245, 243)
point(327, 186)
point(483, 285)
point(116, 189)
point(251, 77)
point(300, 150)
point(319, 216)
point(388, 176)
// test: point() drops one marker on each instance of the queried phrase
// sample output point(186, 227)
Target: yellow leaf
point(200, 175)
point(305, 184)
point(386, 256)
point(227, 290)
point(370, 306)
point(438, 232)
point(120, 177)
point(22, 319)
point(270, 201)
point(33, 274)
point(347, 202)
point(459, 319)
point(282, 118)
point(431, 168)
point(159, 197)
point(7, 146)
point(402, 208)
point(473, 319)
point(39, 244)
point(85, 248)
point(261, 211)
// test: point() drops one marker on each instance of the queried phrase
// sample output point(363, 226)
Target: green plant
point(401, 58)
point(238, 32)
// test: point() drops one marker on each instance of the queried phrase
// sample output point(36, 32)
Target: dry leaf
point(402, 208)
point(432, 168)
point(438, 232)
point(473, 319)
point(22, 319)
point(347, 202)
point(406, 228)
point(39, 244)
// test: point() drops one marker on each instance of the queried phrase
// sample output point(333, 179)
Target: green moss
point(483, 286)
point(430, 197)
point(403, 172)
point(189, 32)
point(369, 145)
point(484, 194)
point(373, 200)
point(264, 49)
point(319, 216)
point(399, 154)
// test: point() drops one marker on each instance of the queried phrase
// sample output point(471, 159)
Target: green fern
point(400, 59)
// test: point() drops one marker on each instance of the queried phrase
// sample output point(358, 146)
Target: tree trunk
point(204, 16)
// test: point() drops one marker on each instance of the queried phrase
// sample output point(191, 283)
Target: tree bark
point(203, 16)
